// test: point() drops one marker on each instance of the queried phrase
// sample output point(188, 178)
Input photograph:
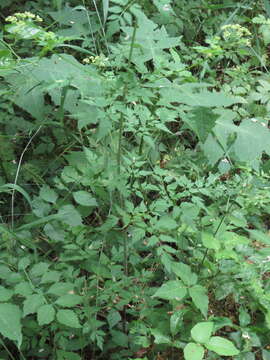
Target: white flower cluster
point(97, 60)
point(25, 16)
point(236, 33)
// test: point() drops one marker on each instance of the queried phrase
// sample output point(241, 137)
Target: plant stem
point(215, 234)
point(121, 125)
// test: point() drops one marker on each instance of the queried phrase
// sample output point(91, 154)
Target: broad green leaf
point(23, 288)
point(166, 223)
point(150, 40)
point(86, 115)
point(252, 140)
point(61, 288)
point(199, 297)
point(84, 198)
point(10, 322)
point(209, 241)
point(48, 194)
point(166, 260)
point(45, 314)
point(69, 215)
point(201, 120)
point(244, 317)
point(50, 277)
point(193, 351)
point(39, 269)
point(32, 304)
point(222, 346)
point(26, 30)
point(184, 94)
point(176, 321)
point(184, 272)
point(212, 150)
point(69, 300)
point(160, 338)
point(5, 294)
point(68, 318)
point(91, 157)
point(119, 338)
point(113, 318)
point(202, 332)
point(28, 93)
point(172, 290)
point(266, 355)
point(189, 213)
point(23, 263)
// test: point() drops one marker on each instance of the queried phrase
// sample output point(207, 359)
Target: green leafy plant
point(134, 180)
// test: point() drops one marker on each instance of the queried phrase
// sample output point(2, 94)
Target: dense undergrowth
point(134, 180)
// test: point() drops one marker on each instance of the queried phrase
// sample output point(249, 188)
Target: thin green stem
point(119, 160)
point(215, 234)
point(121, 125)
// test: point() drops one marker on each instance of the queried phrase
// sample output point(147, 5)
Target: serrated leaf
point(45, 314)
point(175, 322)
point(69, 215)
point(48, 194)
point(39, 269)
point(166, 223)
point(84, 198)
point(222, 346)
point(24, 263)
point(23, 288)
point(10, 322)
point(202, 332)
point(193, 351)
point(5, 294)
point(184, 272)
point(172, 290)
point(113, 318)
point(69, 300)
point(68, 318)
point(32, 303)
point(209, 241)
point(50, 277)
point(200, 299)
point(160, 338)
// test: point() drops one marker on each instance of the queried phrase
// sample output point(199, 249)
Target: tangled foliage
point(134, 180)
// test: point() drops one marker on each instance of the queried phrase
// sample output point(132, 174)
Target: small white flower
point(266, 260)
point(166, 7)
point(245, 335)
